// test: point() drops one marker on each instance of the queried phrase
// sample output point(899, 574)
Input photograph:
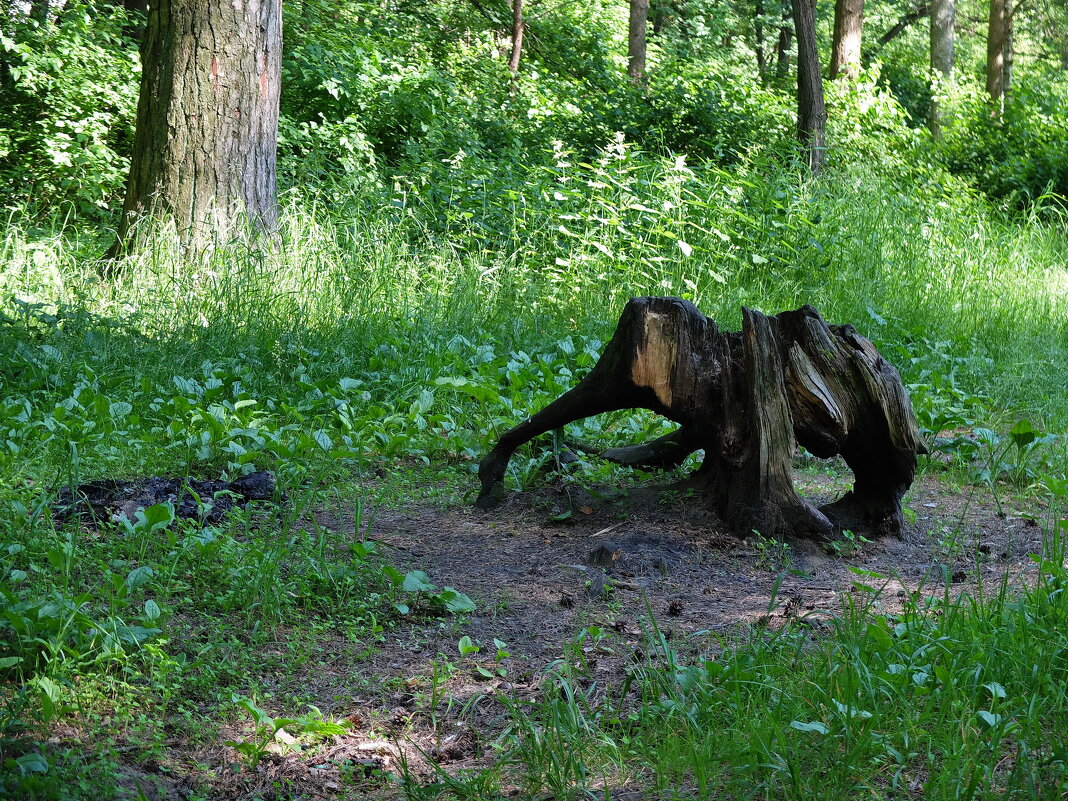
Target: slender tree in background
point(517, 36)
point(39, 11)
point(639, 14)
point(758, 35)
point(207, 121)
point(943, 16)
point(137, 11)
point(998, 54)
point(915, 14)
point(782, 47)
point(811, 111)
point(845, 44)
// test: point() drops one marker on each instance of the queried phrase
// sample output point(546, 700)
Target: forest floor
point(559, 569)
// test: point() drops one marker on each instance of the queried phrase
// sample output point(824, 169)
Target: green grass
point(378, 349)
point(952, 699)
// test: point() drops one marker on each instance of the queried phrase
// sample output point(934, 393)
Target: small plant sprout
point(848, 545)
point(771, 554)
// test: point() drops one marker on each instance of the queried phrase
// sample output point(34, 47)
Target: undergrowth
point(404, 339)
point(952, 698)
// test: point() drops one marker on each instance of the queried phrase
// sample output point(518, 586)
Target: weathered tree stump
point(745, 398)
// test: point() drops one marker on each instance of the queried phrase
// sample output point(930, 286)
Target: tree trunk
point(782, 49)
point(39, 11)
point(943, 15)
point(845, 44)
point(204, 151)
point(996, 45)
point(639, 13)
point(137, 13)
point(517, 36)
point(745, 399)
point(811, 111)
point(758, 36)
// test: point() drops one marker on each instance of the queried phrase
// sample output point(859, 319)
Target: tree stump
point(745, 398)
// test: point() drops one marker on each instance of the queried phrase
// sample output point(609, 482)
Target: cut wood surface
point(747, 399)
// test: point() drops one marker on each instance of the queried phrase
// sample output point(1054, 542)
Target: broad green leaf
point(120, 409)
point(456, 601)
point(814, 726)
point(155, 517)
point(996, 690)
point(138, 576)
point(424, 403)
point(1023, 433)
point(416, 581)
point(476, 391)
point(32, 763)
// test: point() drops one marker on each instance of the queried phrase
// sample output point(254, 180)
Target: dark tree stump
point(746, 398)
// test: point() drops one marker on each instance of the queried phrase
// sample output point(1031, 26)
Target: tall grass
point(344, 320)
point(911, 263)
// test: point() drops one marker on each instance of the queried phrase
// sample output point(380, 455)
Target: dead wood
point(747, 399)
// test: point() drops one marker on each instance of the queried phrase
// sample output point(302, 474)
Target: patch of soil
point(548, 565)
point(205, 500)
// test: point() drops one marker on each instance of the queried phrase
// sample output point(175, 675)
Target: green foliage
point(1023, 156)
point(932, 697)
point(68, 97)
point(270, 731)
point(425, 596)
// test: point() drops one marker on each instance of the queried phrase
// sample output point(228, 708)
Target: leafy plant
point(849, 545)
point(771, 554)
point(426, 595)
point(268, 730)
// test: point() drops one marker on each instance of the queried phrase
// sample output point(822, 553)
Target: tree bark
point(758, 36)
point(943, 16)
point(782, 49)
point(899, 27)
point(745, 399)
point(639, 14)
point(811, 111)
point(39, 11)
point(845, 44)
point(997, 42)
point(204, 152)
point(517, 36)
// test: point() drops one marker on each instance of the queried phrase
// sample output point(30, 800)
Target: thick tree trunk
point(746, 399)
point(997, 41)
point(811, 111)
point(943, 17)
point(639, 14)
point(517, 36)
point(845, 44)
point(207, 121)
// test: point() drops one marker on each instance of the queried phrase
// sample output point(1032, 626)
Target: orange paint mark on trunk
point(263, 76)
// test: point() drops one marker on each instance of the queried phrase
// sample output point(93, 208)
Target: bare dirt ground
point(539, 582)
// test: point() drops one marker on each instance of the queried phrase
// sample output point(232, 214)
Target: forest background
point(459, 230)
